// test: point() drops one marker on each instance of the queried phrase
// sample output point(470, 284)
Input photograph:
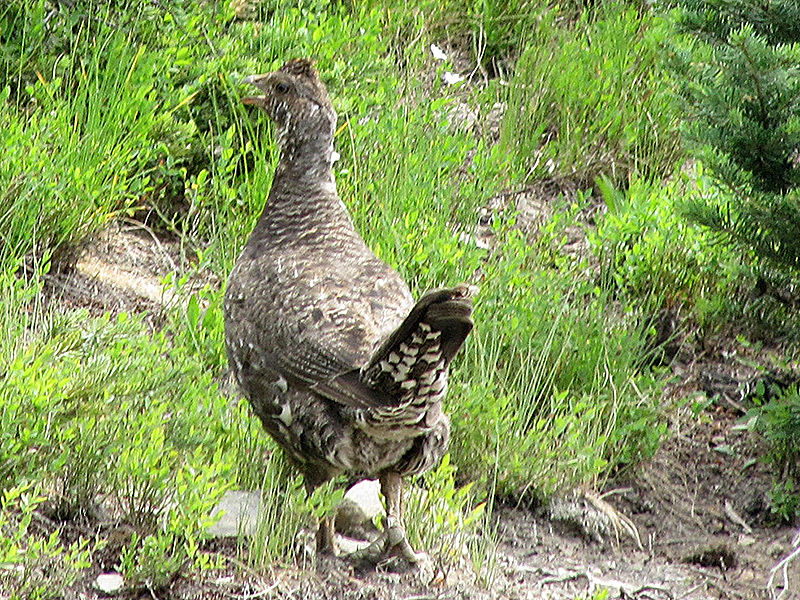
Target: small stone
point(109, 583)
point(348, 545)
point(367, 495)
point(452, 78)
point(438, 53)
point(239, 514)
point(747, 575)
point(746, 540)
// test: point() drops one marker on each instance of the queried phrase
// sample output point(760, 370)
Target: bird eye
point(281, 87)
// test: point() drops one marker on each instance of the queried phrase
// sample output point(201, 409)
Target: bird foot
point(392, 542)
point(310, 545)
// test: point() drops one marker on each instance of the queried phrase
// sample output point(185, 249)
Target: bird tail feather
point(414, 359)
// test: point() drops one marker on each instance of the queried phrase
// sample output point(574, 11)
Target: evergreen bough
point(739, 78)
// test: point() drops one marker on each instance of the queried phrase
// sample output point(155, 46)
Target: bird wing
point(445, 312)
point(319, 334)
point(332, 371)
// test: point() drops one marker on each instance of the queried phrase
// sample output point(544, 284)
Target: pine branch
point(742, 46)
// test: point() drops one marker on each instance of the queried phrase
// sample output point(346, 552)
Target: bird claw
point(398, 544)
point(392, 542)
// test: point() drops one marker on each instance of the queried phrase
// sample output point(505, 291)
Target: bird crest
point(303, 67)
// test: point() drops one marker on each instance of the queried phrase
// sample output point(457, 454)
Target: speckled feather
point(314, 320)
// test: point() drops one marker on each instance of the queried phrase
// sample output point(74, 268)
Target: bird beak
point(258, 81)
point(254, 80)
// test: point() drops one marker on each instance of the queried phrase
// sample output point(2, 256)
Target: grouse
point(343, 369)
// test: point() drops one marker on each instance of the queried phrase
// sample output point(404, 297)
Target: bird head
point(296, 99)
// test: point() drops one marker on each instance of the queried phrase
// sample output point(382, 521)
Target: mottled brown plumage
point(343, 369)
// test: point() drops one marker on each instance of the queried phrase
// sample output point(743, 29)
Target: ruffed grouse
point(344, 371)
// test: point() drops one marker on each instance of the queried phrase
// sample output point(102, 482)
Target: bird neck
point(306, 162)
point(303, 197)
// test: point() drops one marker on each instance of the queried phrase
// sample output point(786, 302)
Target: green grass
point(551, 372)
point(114, 116)
point(588, 100)
point(79, 159)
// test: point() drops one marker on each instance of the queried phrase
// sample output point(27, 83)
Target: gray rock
point(239, 514)
point(367, 496)
point(358, 511)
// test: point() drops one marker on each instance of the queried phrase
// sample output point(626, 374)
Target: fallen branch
point(783, 568)
point(595, 583)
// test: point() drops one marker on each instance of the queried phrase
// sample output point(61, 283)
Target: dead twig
point(690, 591)
point(620, 521)
point(783, 568)
point(734, 516)
point(626, 590)
point(139, 226)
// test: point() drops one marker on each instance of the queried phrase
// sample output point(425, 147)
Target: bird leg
point(325, 540)
point(393, 541)
point(396, 539)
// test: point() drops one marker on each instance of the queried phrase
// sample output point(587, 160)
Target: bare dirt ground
point(699, 505)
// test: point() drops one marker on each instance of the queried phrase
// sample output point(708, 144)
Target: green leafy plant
point(198, 323)
point(449, 518)
point(147, 437)
point(567, 383)
point(647, 250)
point(35, 566)
point(779, 422)
point(183, 507)
point(785, 500)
